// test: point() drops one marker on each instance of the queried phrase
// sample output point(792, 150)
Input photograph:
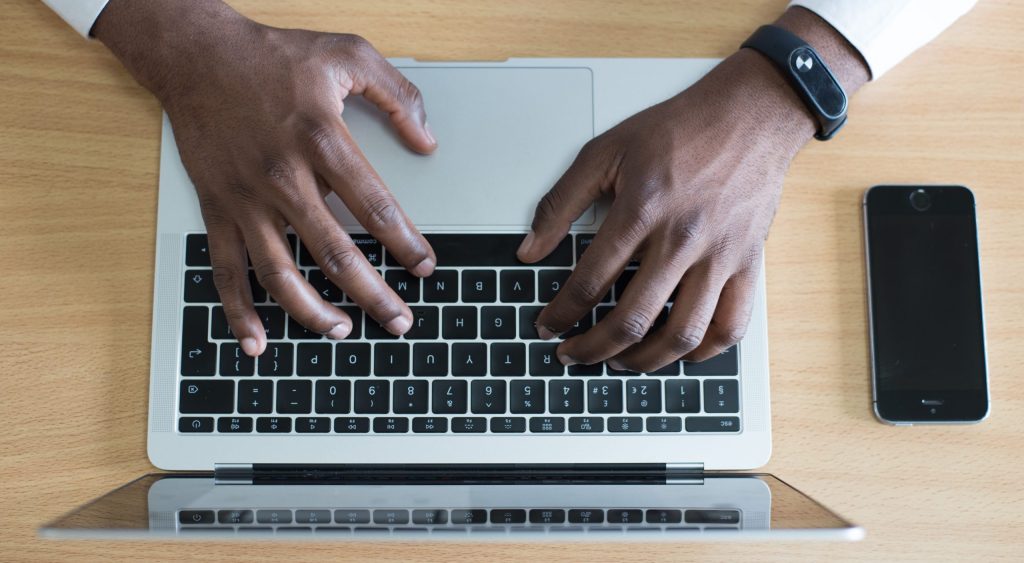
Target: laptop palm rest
point(505, 135)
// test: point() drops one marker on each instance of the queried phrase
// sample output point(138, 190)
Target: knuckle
point(357, 46)
point(274, 276)
point(410, 93)
point(380, 210)
point(338, 260)
point(632, 327)
point(684, 232)
point(277, 172)
point(584, 291)
point(732, 333)
point(685, 340)
point(548, 206)
point(321, 142)
point(227, 280)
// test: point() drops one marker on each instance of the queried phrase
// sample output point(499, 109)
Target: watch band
point(807, 73)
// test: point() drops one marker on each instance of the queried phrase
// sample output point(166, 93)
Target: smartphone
point(927, 330)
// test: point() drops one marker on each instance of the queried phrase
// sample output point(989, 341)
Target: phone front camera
point(920, 200)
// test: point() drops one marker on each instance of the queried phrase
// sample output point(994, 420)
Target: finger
point(231, 276)
point(732, 315)
point(573, 193)
point(633, 315)
point(598, 268)
point(687, 324)
point(341, 164)
point(276, 272)
point(346, 266)
point(381, 83)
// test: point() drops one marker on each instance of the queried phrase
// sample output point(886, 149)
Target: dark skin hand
point(695, 182)
point(256, 113)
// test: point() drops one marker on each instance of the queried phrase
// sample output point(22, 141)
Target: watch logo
point(804, 63)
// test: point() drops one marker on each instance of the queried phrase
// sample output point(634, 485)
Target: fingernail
point(424, 268)
point(430, 134)
point(567, 360)
point(250, 346)
point(340, 331)
point(399, 325)
point(545, 333)
point(524, 247)
point(615, 364)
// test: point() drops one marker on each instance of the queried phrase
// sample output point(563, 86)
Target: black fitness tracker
point(807, 73)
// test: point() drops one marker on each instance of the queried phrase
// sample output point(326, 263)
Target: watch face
point(820, 88)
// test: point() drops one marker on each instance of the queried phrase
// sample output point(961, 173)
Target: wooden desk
point(78, 174)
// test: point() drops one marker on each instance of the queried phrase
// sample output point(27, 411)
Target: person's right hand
point(256, 113)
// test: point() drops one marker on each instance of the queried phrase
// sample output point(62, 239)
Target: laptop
point(468, 425)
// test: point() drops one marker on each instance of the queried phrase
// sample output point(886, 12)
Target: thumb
point(571, 195)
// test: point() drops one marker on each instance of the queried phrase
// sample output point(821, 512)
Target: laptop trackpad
point(504, 134)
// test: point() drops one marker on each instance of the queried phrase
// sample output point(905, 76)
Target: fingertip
point(425, 268)
point(399, 325)
point(340, 331)
point(525, 247)
point(252, 347)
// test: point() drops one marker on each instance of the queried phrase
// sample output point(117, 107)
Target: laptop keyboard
point(471, 363)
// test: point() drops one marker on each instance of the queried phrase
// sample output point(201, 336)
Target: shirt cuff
point(79, 14)
point(887, 31)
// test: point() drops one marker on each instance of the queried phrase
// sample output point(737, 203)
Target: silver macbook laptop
point(471, 394)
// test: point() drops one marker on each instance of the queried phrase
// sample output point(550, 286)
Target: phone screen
point(926, 309)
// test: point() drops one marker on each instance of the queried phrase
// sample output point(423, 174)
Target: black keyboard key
point(325, 287)
point(583, 242)
point(199, 287)
point(391, 516)
point(721, 396)
point(391, 359)
point(604, 396)
point(274, 424)
point(712, 424)
point(411, 397)
point(376, 331)
point(580, 326)
point(544, 361)
point(488, 396)
point(203, 396)
point(272, 318)
point(664, 516)
point(198, 355)
point(349, 516)
point(276, 360)
point(479, 286)
point(234, 516)
point(424, 323)
point(547, 424)
point(197, 251)
point(508, 516)
point(294, 397)
point(234, 362)
point(518, 286)
point(526, 397)
point(469, 425)
point(458, 323)
point(371, 397)
point(353, 425)
point(312, 516)
point(625, 516)
point(469, 360)
point(528, 322)
point(255, 397)
point(195, 424)
point(196, 517)
point(441, 287)
point(586, 369)
point(430, 359)
point(586, 516)
point(356, 314)
point(293, 242)
point(370, 247)
point(549, 282)
point(429, 425)
point(468, 516)
point(671, 368)
point(497, 323)
point(274, 516)
point(333, 397)
point(429, 517)
point(682, 396)
point(297, 331)
point(313, 424)
point(487, 250)
point(352, 359)
point(508, 359)
point(314, 359)
point(391, 425)
point(449, 397)
point(565, 396)
point(406, 285)
point(508, 425)
point(585, 424)
point(620, 284)
point(664, 424)
point(259, 295)
point(712, 516)
point(643, 395)
point(219, 328)
point(625, 424)
point(547, 516)
point(726, 363)
point(234, 424)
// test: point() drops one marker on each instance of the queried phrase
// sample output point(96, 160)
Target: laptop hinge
point(684, 473)
point(233, 474)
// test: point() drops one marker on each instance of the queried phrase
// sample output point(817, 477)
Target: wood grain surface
point(78, 180)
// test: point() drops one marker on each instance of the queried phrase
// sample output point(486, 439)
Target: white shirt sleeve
point(80, 14)
point(886, 31)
